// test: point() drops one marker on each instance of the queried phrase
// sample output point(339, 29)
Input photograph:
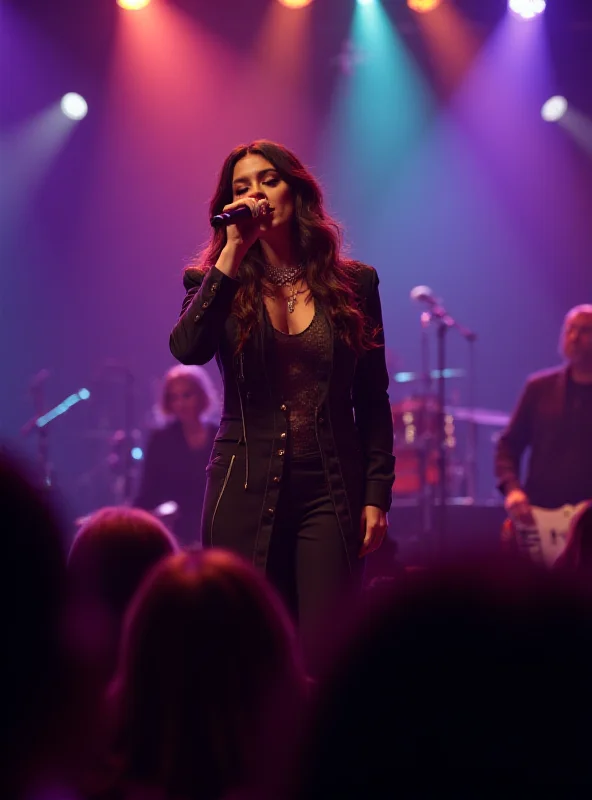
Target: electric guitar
point(545, 542)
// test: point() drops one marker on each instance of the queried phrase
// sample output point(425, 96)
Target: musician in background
point(177, 454)
point(553, 420)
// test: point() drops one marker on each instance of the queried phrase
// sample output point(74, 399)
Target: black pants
point(307, 560)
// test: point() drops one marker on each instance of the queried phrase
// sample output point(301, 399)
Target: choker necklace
point(286, 277)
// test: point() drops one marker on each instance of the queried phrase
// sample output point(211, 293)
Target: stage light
point(295, 3)
point(166, 509)
point(365, 2)
point(73, 106)
point(423, 6)
point(527, 9)
point(554, 108)
point(132, 5)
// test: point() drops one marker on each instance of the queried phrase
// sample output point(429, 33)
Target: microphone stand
point(128, 484)
point(424, 444)
point(36, 389)
point(444, 321)
point(442, 330)
point(471, 458)
point(122, 439)
point(42, 419)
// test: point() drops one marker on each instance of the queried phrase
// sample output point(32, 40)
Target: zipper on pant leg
point(240, 398)
point(226, 479)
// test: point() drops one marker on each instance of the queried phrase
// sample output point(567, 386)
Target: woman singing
point(300, 476)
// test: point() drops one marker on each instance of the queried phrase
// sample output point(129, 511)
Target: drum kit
point(416, 424)
point(432, 469)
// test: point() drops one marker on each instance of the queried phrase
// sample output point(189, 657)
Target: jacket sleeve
point(207, 304)
point(373, 411)
point(513, 442)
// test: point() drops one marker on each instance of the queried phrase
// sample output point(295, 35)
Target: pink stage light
point(423, 6)
point(295, 3)
point(527, 9)
point(132, 5)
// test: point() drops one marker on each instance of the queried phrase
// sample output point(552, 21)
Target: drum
point(415, 426)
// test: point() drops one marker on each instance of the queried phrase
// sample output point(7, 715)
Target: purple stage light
point(527, 9)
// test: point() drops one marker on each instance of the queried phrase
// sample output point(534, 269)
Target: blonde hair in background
point(199, 377)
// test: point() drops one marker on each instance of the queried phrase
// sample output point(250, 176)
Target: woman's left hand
point(374, 524)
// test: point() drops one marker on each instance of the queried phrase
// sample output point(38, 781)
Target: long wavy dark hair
point(331, 277)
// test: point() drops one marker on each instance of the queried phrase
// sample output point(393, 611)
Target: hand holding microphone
point(247, 208)
point(242, 220)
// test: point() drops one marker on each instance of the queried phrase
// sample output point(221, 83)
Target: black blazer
point(353, 419)
point(559, 437)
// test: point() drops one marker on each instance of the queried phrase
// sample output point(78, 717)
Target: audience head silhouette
point(205, 645)
point(111, 554)
point(36, 680)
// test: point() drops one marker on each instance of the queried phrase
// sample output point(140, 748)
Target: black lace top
point(302, 358)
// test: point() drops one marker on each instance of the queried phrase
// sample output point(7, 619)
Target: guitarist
point(553, 420)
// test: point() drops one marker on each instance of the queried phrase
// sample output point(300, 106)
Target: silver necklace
point(286, 277)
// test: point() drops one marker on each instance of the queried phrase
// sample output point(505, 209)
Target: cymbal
point(480, 416)
point(410, 377)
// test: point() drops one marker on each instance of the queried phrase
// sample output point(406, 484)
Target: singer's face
point(577, 338)
point(254, 176)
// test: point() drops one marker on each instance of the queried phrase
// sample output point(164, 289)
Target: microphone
point(230, 217)
point(242, 212)
point(423, 294)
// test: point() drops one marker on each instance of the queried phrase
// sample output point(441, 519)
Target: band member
point(554, 420)
point(300, 477)
point(177, 454)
